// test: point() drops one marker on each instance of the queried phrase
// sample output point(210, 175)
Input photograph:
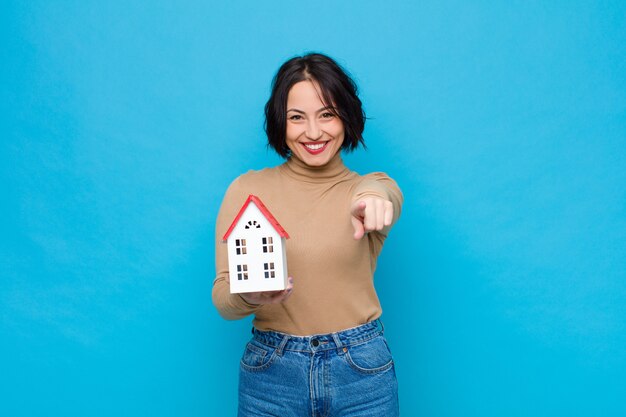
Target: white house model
point(257, 259)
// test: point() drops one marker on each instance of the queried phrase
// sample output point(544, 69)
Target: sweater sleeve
point(379, 184)
point(230, 306)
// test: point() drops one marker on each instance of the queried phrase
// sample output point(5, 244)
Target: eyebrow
point(322, 109)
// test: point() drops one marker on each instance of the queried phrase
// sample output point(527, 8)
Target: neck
point(301, 171)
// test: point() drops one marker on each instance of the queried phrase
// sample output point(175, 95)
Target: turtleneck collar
point(333, 170)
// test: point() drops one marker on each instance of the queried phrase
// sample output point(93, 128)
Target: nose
point(313, 130)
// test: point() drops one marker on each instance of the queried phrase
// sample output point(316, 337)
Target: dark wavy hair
point(339, 92)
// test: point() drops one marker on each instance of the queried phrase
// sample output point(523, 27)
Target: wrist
point(248, 301)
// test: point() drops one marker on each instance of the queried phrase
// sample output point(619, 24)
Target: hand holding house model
point(257, 259)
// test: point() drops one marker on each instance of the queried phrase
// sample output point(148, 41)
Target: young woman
point(317, 347)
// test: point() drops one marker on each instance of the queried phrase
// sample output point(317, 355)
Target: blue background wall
point(122, 123)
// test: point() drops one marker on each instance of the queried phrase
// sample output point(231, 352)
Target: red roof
point(257, 201)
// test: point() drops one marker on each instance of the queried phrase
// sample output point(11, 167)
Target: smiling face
point(314, 133)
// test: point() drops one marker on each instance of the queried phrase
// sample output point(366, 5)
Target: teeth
point(316, 146)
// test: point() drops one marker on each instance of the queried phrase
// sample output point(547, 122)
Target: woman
point(317, 347)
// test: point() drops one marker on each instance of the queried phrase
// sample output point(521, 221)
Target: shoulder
point(376, 176)
point(258, 175)
point(252, 180)
point(378, 184)
point(377, 179)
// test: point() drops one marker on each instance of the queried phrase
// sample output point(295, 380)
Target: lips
point(315, 148)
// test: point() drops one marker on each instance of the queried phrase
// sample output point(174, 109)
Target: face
point(314, 134)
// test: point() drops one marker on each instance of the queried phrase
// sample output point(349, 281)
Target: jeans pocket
point(257, 357)
point(370, 357)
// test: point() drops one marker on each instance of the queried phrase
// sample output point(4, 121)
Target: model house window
point(253, 224)
point(269, 270)
point(268, 245)
point(242, 272)
point(240, 246)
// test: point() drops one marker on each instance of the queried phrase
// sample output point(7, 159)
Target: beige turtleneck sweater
point(332, 272)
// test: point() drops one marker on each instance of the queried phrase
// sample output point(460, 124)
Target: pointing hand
point(370, 213)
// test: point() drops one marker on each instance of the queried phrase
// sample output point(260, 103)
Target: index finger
point(358, 208)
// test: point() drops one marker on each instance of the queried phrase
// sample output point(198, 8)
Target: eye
point(328, 115)
point(295, 117)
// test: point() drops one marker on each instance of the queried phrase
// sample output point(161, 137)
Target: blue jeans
point(348, 373)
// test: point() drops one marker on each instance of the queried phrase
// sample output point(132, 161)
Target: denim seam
point(366, 370)
point(259, 367)
point(257, 350)
point(311, 387)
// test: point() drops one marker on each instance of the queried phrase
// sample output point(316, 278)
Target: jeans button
point(315, 342)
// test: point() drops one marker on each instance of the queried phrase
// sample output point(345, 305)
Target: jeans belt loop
point(282, 344)
point(340, 348)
